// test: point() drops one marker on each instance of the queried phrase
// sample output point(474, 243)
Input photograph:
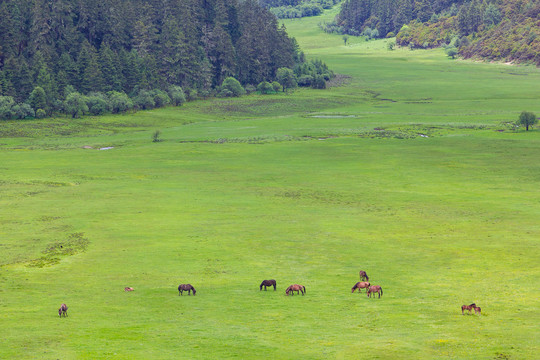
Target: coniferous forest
point(490, 29)
point(96, 56)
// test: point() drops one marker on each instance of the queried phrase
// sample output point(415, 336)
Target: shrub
point(276, 86)
point(305, 80)
point(177, 95)
point(75, 105)
point(40, 113)
point(23, 111)
point(119, 102)
point(319, 82)
point(6, 107)
point(265, 88)
point(233, 86)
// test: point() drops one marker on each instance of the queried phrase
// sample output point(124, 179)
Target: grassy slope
point(243, 190)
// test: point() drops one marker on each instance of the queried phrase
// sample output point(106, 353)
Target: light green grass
point(305, 188)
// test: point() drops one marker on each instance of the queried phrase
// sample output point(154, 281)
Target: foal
point(478, 310)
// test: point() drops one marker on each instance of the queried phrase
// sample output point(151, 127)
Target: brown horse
point(361, 285)
point(129, 289)
point(266, 283)
point(478, 310)
point(375, 289)
point(63, 310)
point(363, 275)
point(295, 287)
point(186, 287)
point(467, 307)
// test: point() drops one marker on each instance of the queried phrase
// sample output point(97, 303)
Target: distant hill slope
point(490, 29)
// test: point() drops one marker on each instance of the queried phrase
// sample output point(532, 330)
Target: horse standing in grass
point(467, 307)
point(298, 288)
point(63, 310)
point(478, 310)
point(361, 285)
point(363, 276)
point(266, 283)
point(375, 289)
point(186, 287)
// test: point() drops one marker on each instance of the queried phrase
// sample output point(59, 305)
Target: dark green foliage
point(231, 87)
point(38, 99)
point(313, 71)
point(119, 102)
point(130, 46)
point(492, 30)
point(288, 9)
point(527, 119)
point(265, 88)
point(286, 78)
point(75, 105)
point(156, 135)
point(23, 111)
point(97, 103)
point(177, 95)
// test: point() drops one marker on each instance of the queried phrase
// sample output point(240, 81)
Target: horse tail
point(304, 289)
point(367, 278)
point(260, 287)
point(381, 291)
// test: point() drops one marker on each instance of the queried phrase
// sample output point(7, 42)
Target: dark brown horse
point(186, 287)
point(361, 285)
point(375, 289)
point(467, 307)
point(478, 310)
point(63, 310)
point(266, 283)
point(295, 287)
point(363, 275)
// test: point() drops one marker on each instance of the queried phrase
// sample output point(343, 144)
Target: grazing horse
point(186, 287)
point(63, 310)
point(478, 310)
point(129, 289)
point(298, 288)
point(266, 283)
point(363, 275)
point(361, 285)
point(375, 289)
point(467, 307)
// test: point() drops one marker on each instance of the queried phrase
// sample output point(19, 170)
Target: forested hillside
point(126, 46)
point(491, 29)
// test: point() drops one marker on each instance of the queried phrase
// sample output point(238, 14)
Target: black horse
point(266, 283)
point(63, 310)
point(186, 287)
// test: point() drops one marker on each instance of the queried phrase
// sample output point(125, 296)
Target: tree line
point(491, 29)
point(121, 54)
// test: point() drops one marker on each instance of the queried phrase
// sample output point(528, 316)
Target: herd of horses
point(362, 284)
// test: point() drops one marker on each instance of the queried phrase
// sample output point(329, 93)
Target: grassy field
point(409, 171)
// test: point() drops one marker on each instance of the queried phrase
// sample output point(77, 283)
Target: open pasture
point(408, 171)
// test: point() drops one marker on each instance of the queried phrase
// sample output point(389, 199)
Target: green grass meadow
point(408, 170)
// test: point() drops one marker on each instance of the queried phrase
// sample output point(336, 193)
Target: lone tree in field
point(528, 119)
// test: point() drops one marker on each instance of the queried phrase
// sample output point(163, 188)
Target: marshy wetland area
point(408, 167)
